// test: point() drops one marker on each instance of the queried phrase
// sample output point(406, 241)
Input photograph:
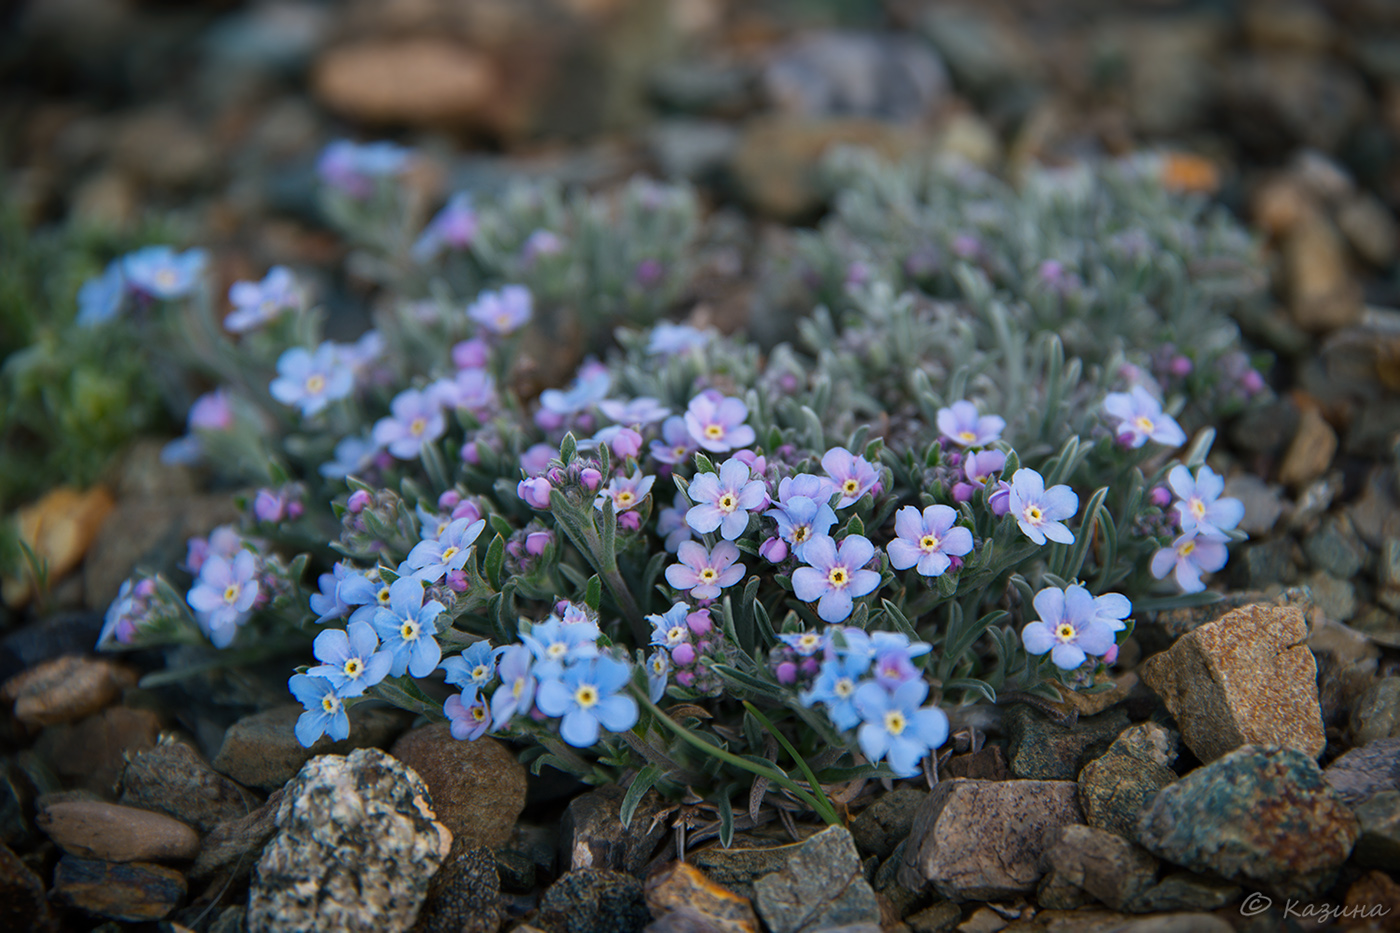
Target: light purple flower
point(211, 412)
point(502, 312)
point(470, 390)
point(409, 628)
point(801, 520)
point(353, 169)
point(705, 573)
point(1190, 555)
point(350, 659)
point(929, 540)
point(468, 718)
point(978, 467)
point(852, 475)
point(716, 423)
point(670, 339)
point(588, 696)
point(836, 575)
point(808, 486)
point(325, 713)
point(1040, 511)
point(471, 354)
point(1201, 508)
point(806, 644)
point(724, 500)
point(417, 420)
point(896, 728)
point(1140, 418)
point(431, 560)
point(223, 595)
point(361, 354)
point(670, 523)
point(961, 424)
point(257, 303)
point(540, 243)
point(1070, 627)
point(162, 273)
point(676, 444)
point(454, 227)
point(517, 689)
point(353, 455)
point(536, 460)
point(639, 411)
point(311, 381)
point(625, 492)
point(100, 298)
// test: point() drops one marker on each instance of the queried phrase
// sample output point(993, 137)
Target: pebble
point(1047, 751)
point(1372, 903)
point(819, 886)
point(47, 638)
point(464, 896)
point(984, 839)
point(1366, 771)
point(92, 752)
point(23, 905)
point(938, 918)
point(60, 528)
point(1335, 598)
point(228, 847)
point(478, 788)
point(1259, 816)
point(1388, 575)
point(593, 900)
point(988, 763)
point(737, 867)
point(1116, 787)
point(262, 751)
point(846, 73)
point(1100, 863)
point(1379, 845)
point(356, 845)
point(1335, 548)
point(1323, 296)
point(66, 689)
point(174, 779)
point(113, 833)
point(1248, 678)
point(130, 891)
point(886, 823)
point(1377, 714)
point(591, 834)
point(1369, 228)
point(1376, 512)
point(1092, 704)
point(1310, 453)
point(681, 888)
point(1184, 890)
point(423, 81)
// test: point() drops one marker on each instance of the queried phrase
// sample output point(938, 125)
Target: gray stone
point(1263, 503)
point(835, 74)
point(1337, 598)
point(1388, 575)
point(1115, 788)
point(356, 846)
point(819, 886)
point(131, 891)
point(1270, 562)
point(1043, 750)
point(886, 823)
point(740, 865)
point(262, 751)
point(1377, 713)
point(1376, 513)
point(692, 149)
point(1364, 772)
point(1259, 816)
point(228, 850)
point(1379, 845)
point(981, 51)
point(23, 905)
point(464, 896)
point(1101, 863)
point(984, 839)
point(592, 834)
point(937, 918)
point(174, 779)
point(1184, 890)
point(594, 900)
point(1335, 548)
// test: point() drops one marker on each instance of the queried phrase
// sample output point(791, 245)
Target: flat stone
point(1377, 714)
point(886, 823)
point(1364, 772)
point(132, 891)
point(1376, 512)
point(1323, 296)
point(229, 848)
point(92, 752)
point(60, 528)
point(23, 905)
point(1263, 503)
point(938, 918)
point(1245, 679)
point(464, 896)
point(895, 77)
point(591, 834)
point(1101, 863)
point(174, 779)
point(1336, 548)
point(1270, 562)
point(681, 888)
point(1310, 453)
point(1259, 816)
point(356, 846)
point(1116, 787)
point(593, 900)
point(97, 830)
point(149, 531)
point(478, 788)
point(1184, 890)
point(738, 866)
point(1044, 750)
point(984, 839)
point(66, 689)
point(1379, 845)
point(988, 763)
point(1369, 228)
point(262, 751)
point(1336, 598)
point(428, 80)
point(820, 886)
point(1111, 691)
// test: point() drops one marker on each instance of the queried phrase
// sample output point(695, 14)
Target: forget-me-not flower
point(1039, 511)
point(588, 696)
point(1140, 418)
point(471, 670)
point(836, 575)
point(670, 629)
point(454, 227)
point(705, 573)
point(555, 643)
point(162, 273)
point(716, 422)
point(835, 687)
point(353, 455)
point(670, 523)
point(851, 474)
point(325, 713)
point(416, 420)
point(502, 312)
point(589, 387)
point(1201, 507)
point(723, 501)
point(929, 539)
point(431, 560)
point(224, 593)
point(1070, 627)
point(961, 424)
point(409, 628)
point(353, 168)
point(639, 411)
point(1190, 555)
point(676, 445)
point(517, 690)
point(350, 659)
point(257, 303)
point(468, 716)
point(100, 298)
point(896, 728)
point(311, 381)
point(625, 492)
point(800, 520)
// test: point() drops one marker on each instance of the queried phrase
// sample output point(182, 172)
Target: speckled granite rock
point(356, 846)
point(1115, 787)
point(820, 886)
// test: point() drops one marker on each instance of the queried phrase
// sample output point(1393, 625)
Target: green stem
point(788, 747)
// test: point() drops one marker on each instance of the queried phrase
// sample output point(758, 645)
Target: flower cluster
point(1205, 519)
point(154, 273)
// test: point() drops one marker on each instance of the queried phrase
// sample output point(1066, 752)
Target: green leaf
point(1093, 513)
point(568, 449)
point(404, 693)
point(495, 561)
point(726, 818)
point(501, 526)
point(643, 782)
point(974, 685)
point(593, 592)
point(703, 464)
point(746, 682)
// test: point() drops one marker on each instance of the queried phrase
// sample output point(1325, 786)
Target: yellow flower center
point(503, 322)
point(586, 695)
point(518, 687)
point(676, 635)
point(231, 593)
point(1065, 632)
point(624, 499)
point(166, 278)
point(850, 487)
point(708, 575)
point(450, 553)
point(928, 543)
point(315, 384)
point(967, 437)
point(1198, 508)
point(809, 641)
point(409, 630)
point(417, 426)
point(727, 503)
point(353, 668)
point(1145, 424)
point(557, 650)
point(838, 577)
point(480, 673)
point(1186, 548)
point(330, 703)
point(895, 722)
point(801, 533)
point(478, 713)
point(679, 452)
point(714, 432)
point(1033, 514)
point(382, 596)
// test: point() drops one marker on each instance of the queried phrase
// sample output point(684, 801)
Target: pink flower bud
point(699, 622)
point(954, 563)
point(466, 509)
point(1252, 382)
point(590, 478)
point(515, 549)
point(537, 541)
point(549, 420)
point(470, 454)
point(1180, 366)
point(471, 354)
point(457, 581)
point(786, 673)
point(1160, 496)
point(626, 443)
point(962, 492)
point(809, 666)
point(774, 550)
point(629, 521)
point(1000, 499)
point(684, 678)
point(359, 500)
point(535, 492)
point(556, 476)
point(295, 509)
point(449, 499)
point(683, 655)
point(1111, 655)
point(268, 506)
point(145, 589)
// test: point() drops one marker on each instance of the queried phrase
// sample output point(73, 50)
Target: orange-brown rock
point(478, 788)
point(421, 81)
point(1248, 678)
point(66, 689)
point(682, 888)
point(113, 833)
point(59, 528)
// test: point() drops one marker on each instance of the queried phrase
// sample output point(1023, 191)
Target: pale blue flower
point(1069, 627)
point(676, 445)
point(587, 697)
point(961, 424)
point(517, 690)
point(468, 716)
point(1190, 555)
point(1201, 508)
point(670, 629)
point(670, 523)
point(1140, 418)
point(258, 303)
point(625, 492)
point(325, 713)
point(409, 628)
point(716, 423)
point(836, 575)
point(852, 476)
point(896, 728)
point(555, 643)
point(801, 520)
point(502, 312)
point(705, 573)
point(416, 420)
point(1040, 511)
point(162, 273)
point(432, 559)
point(100, 298)
point(311, 381)
point(723, 501)
point(929, 539)
point(350, 659)
point(670, 339)
point(658, 672)
point(454, 227)
point(223, 595)
point(471, 670)
point(835, 687)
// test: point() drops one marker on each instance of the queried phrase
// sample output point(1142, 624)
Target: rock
point(681, 888)
point(1313, 502)
point(148, 532)
point(107, 200)
point(356, 845)
point(1346, 646)
point(174, 779)
point(130, 891)
point(1377, 713)
point(1364, 772)
point(464, 896)
point(1379, 844)
point(593, 900)
point(424, 81)
point(1101, 863)
point(886, 822)
point(1245, 679)
point(18, 789)
point(1322, 294)
point(23, 905)
point(1310, 454)
point(97, 830)
point(59, 528)
point(694, 150)
point(92, 752)
point(1104, 921)
point(1336, 548)
point(982, 52)
point(819, 886)
point(1044, 750)
point(1334, 598)
point(592, 835)
point(1259, 816)
point(262, 751)
point(1115, 788)
point(1270, 562)
point(1388, 575)
point(737, 867)
point(161, 146)
point(837, 74)
point(986, 764)
point(478, 788)
point(1184, 890)
point(66, 689)
point(229, 846)
point(1278, 99)
point(1369, 229)
point(939, 918)
point(983, 920)
point(1263, 503)
point(1296, 25)
point(984, 839)
point(1369, 901)
point(1113, 690)
point(1172, 69)
point(715, 89)
point(48, 638)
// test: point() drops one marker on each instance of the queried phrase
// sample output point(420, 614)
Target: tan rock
point(93, 829)
point(682, 888)
point(1323, 295)
point(1310, 452)
point(478, 788)
point(60, 528)
point(423, 81)
point(91, 753)
point(1280, 204)
point(1370, 229)
point(66, 689)
point(1246, 679)
point(1112, 691)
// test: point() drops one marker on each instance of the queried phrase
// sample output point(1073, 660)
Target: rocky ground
point(1248, 756)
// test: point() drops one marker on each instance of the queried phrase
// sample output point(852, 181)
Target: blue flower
point(670, 339)
point(626, 492)
point(327, 604)
point(162, 273)
point(658, 670)
point(670, 522)
point(587, 697)
point(895, 728)
point(223, 595)
point(835, 686)
point(639, 411)
point(929, 540)
point(849, 641)
point(311, 381)
point(1140, 418)
point(961, 424)
point(1039, 511)
point(472, 669)
point(1070, 627)
point(502, 312)
point(853, 476)
point(350, 660)
point(353, 169)
point(1201, 508)
point(100, 298)
point(416, 420)
point(325, 713)
point(836, 575)
point(801, 520)
point(670, 629)
point(257, 303)
point(805, 643)
point(517, 689)
point(409, 628)
point(353, 455)
point(589, 388)
point(723, 501)
point(1190, 555)
point(365, 591)
point(717, 423)
point(468, 715)
point(555, 643)
point(432, 559)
